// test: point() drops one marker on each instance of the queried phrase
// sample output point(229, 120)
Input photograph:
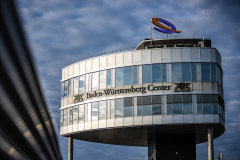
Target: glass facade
point(152, 73)
point(176, 104)
point(145, 106)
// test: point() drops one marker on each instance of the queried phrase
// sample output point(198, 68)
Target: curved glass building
point(167, 91)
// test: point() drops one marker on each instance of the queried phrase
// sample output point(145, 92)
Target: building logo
point(164, 28)
point(78, 98)
point(182, 87)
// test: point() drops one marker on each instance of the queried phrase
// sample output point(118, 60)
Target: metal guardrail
point(105, 53)
point(26, 127)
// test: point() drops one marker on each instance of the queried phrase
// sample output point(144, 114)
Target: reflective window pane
point(156, 73)
point(75, 114)
point(95, 81)
point(207, 108)
point(147, 110)
point(194, 72)
point(187, 108)
point(102, 110)
point(205, 69)
point(61, 120)
point(157, 109)
point(65, 88)
point(176, 72)
point(213, 72)
point(69, 87)
point(186, 72)
point(81, 84)
point(135, 75)
point(65, 117)
point(128, 111)
point(70, 116)
point(169, 109)
point(89, 111)
point(215, 108)
point(81, 113)
point(86, 83)
point(94, 111)
point(199, 108)
point(112, 109)
point(119, 108)
point(127, 76)
point(139, 110)
point(164, 72)
point(109, 78)
point(62, 89)
point(146, 74)
point(75, 85)
point(103, 80)
point(177, 108)
point(119, 77)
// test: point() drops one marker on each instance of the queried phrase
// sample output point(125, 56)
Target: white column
point(210, 143)
point(70, 148)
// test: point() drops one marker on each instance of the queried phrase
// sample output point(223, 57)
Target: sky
point(61, 32)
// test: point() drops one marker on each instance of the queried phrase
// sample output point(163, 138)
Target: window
point(119, 108)
point(69, 87)
point(81, 113)
point(215, 108)
point(146, 74)
point(61, 120)
point(205, 69)
point(86, 82)
point(207, 108)
point(169, 109)
point(176, 72)
point(128, 105)
point(194, 72)
point(89, 110)
point(112, 109)
point(62, 89)
point(103, 80)
point(187, 108)
point(109, 78)
point(119, 77)
point(186, 72)
point(164, 72)
point(177, 108)
point(95, 81)
point(102, 110)
point(199, 108)
point(147, 110)
point(157, 109)
point(213, 72)
point(65, 123)
point(94, 111)
point(65, 88)
point(75, 85)
point(135, 75)
point(127, 76)
point(81, 84)
point(156, 73)
point(139, 110)
point(75, 114)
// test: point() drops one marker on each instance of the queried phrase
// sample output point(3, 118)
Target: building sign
point(78, 98)
point(164, 29)
point(128, 90)
point(182, 87)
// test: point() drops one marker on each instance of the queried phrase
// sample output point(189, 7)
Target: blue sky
point(60, 32)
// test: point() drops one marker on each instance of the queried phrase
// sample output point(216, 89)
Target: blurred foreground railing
point(26, 128)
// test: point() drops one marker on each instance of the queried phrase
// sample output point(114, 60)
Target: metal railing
point(105, 53)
